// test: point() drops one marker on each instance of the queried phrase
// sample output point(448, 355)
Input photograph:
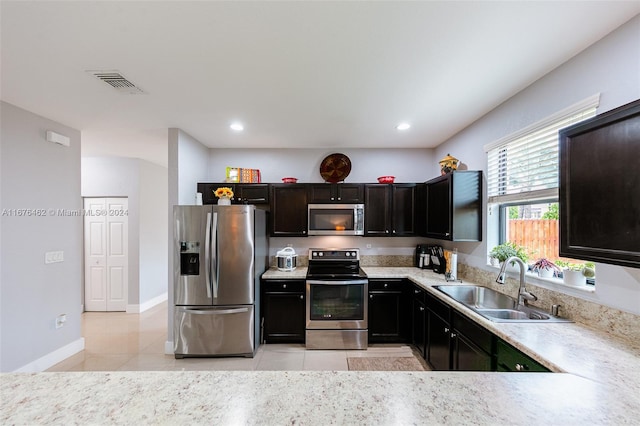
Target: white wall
point(407, 165)
point(145, 185)
point(193, 164)
point(153, 232)
point(36, 174)
point(610, 67)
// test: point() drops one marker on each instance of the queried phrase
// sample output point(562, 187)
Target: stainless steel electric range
point(337, 291)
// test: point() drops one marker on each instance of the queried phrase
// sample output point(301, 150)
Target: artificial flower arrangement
point(224, 192)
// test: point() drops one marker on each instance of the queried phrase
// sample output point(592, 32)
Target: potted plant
point(506, 250)
point(545, 268)
point(575, 274)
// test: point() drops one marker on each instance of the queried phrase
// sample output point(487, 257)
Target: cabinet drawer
point(387, 284)
point(418, 294)
point(283, 286)
point(509, 358)
point(477, 334)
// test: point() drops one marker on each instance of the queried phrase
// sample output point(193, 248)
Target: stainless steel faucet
point(523, 295)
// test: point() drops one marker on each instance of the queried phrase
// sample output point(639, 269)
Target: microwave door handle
point(214, 254)
point(207, 255)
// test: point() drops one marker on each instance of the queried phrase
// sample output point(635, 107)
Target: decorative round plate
point(335, 168)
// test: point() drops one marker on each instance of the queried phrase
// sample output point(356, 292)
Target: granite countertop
point(597, 381)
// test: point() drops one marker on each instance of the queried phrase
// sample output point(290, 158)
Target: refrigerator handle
point(216, 311)
point(207, 261)
point(214, 254)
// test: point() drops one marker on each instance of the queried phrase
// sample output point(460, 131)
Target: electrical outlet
point(60, 320)
point(53, 257)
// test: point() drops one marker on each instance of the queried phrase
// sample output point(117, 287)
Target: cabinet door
point(376, 210)
point(350, 192)
point(438, 220)
point(288, 210)
point(403, 201)
point(251, 193)
point(283, 312)
point(439, 343)
point(467, 356)
point(418, 338)
point(387, 311)
point(321, 193)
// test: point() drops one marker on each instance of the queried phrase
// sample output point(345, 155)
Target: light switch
point(54, 257)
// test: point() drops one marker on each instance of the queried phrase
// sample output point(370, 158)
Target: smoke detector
point(116, 80)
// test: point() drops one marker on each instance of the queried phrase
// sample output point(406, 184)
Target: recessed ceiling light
point(403, 126)
point(237, 127)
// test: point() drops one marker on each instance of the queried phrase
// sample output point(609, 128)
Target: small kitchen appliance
point(286, 259)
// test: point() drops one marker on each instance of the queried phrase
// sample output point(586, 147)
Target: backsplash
point(600, 317)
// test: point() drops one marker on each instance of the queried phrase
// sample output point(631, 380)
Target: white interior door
point(106, 254)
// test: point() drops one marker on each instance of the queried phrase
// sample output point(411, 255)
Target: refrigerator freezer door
point(192, 273)
point(210, 331)
point(233, 255)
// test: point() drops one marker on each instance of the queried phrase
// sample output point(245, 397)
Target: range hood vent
point(116, 80)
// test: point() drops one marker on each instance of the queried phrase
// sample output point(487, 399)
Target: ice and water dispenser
point(189, 258)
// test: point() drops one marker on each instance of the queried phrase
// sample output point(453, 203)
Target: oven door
point(337, 304)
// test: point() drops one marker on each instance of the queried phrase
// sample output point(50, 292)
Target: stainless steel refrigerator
point(220, 252)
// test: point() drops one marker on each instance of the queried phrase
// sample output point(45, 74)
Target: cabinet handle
point(386, 285)
point(416, 291)
point(339, 198)
point(521, 367)
point(446, 330)
point(371, 296)
point(284, 286)
point(386, 231)
point(394, 231)
point(453, 335)
point(301, 297)
point(421, 308)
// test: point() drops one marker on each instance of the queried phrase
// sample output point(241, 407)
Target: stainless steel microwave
point(336, 219)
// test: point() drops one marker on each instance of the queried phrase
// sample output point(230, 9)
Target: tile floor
point(116, 341)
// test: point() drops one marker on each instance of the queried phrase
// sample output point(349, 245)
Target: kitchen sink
point(478, 297)
point(495, 306)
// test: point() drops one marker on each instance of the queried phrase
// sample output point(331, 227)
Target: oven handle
point(336, 282)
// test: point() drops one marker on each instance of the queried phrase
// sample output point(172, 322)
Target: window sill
point(549, 283)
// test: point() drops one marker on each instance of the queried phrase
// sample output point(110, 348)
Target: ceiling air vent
point(116, 80)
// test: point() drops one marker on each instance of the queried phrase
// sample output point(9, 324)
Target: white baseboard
point(52, 358)
point(168, 348)
point(136, 309)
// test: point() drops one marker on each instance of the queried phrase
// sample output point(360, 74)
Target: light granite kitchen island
point(596, 382)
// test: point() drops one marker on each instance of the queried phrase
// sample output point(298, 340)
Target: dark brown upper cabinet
point(243, 193)
point(335, 193)
point(288, 210)
point(600, 188)
point(389, 210)
point(453, 206)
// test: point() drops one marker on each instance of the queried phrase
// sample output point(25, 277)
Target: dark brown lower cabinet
point(387, 315)
point(455, 342)
point(419, 320)
point(509, 358)
point(283, 311)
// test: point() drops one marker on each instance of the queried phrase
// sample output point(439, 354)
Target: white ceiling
point(297, 74)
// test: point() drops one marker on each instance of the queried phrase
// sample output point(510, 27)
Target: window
point(522, 180)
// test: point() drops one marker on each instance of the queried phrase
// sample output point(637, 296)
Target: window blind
point(524, 165)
